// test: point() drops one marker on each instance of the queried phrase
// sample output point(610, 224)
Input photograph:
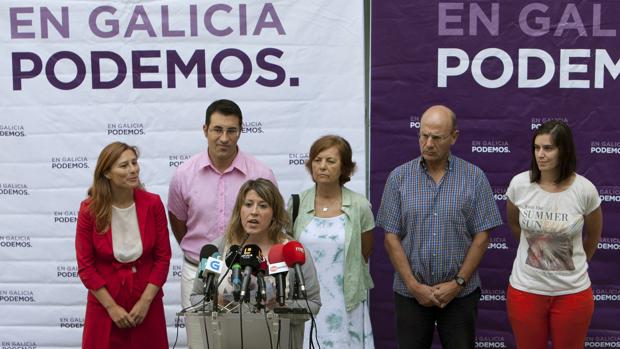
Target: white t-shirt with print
point(550, 258)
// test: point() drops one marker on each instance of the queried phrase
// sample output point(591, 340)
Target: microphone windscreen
point(262, 266)
point(207, 251)
point(294, 253)
point(232, 256)
point(275, 253)
point(249, 256)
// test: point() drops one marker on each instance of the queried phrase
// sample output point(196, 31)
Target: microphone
point(295, 256)
point(233, 255)
point(249, 261)
point(261, 293)
point(213, 268)
point(207, 251)
point(260, 280)
point(279, 269)
point(232, 262)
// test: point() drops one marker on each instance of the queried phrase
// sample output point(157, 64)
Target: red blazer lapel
point(142, 209)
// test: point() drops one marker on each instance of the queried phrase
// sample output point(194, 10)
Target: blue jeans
point(456, 323)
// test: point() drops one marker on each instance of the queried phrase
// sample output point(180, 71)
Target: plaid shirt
point(436, 222)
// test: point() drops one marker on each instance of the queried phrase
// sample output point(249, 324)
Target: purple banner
point(504, 68)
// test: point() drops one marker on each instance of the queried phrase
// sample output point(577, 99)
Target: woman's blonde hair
point(268, 192)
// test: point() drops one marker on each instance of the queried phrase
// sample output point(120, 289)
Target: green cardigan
point(359, 219)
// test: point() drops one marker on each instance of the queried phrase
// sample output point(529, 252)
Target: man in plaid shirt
point(437, 211)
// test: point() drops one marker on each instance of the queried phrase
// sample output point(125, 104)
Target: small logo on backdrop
point(485, 146)
point(252, 127)
point(66, 272)
point(498, 243)
point(609, 193)
point(605, 147)
point(24, 344)
point(414, 123)
point(606, 294)
point(177, 271)
point(177, 160)
point(490, 342)
point(499, 193)
point(602, 342)
point(297, 159)
point(126, 129)
point(179, 322)
point(12, 131)
point(17, 296)
point(70, 322)
point(493, 295)
point(14, 189)
point(65, 216)
point(15, 241)
point(537, 122)
point(609, 244)
point(69, 162)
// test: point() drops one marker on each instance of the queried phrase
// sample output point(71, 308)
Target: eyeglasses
point(435, 138)
point(230, 132)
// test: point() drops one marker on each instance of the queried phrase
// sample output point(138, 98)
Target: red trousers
point(535, 317)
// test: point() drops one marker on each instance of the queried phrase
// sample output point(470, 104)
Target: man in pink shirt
point(203, 190)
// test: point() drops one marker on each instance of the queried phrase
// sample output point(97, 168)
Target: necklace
point(329, 204)
point(326, 206)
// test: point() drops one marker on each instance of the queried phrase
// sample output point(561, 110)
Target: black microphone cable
point(268, 329)
point(279, 332)
point(204, 318)
point(313, 328)
point(176, 338)
point(204, 322)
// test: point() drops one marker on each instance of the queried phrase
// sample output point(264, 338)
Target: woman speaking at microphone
point(336, 224)
point(555, 214)
point(123, 255)
point(259, 219)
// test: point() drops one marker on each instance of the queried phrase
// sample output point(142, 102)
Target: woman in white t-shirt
point(549, 208)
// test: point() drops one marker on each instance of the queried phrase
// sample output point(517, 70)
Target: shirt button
point(434, 213)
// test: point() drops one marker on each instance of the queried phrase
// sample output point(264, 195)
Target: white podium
point(217, 330)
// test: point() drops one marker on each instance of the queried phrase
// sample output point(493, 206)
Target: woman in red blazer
point(123, 255)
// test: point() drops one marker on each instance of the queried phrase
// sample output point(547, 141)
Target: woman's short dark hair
point(562, 138)
point(344, 149)
point(225, 107)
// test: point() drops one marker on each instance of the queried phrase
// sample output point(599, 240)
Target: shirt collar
point(238, 163)
point(450, 165)
point(345, 197)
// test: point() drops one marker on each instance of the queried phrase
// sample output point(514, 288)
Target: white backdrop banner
point(77, 75)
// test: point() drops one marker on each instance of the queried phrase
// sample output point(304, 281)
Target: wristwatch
point(460, 281)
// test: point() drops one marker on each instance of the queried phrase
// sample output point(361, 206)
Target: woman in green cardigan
point(336, 225)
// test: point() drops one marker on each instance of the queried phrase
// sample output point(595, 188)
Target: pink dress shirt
point(204, 198)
